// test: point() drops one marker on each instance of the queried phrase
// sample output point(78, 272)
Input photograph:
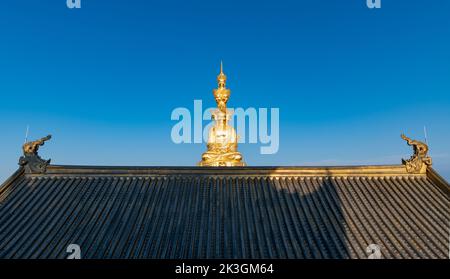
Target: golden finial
point(221, 94)
point(221, 78)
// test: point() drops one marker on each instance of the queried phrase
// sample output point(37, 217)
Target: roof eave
point(18, 173)
point(380, 170)
point(438, 180)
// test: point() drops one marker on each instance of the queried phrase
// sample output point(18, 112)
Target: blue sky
point(104, 79)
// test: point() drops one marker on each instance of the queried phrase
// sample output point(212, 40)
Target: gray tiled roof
point(126, 212)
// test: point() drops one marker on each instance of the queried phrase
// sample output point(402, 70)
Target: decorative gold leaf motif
point(419, 160)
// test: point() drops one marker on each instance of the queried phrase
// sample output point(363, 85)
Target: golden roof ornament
point(221, 94)
point(31, 160)
point(222, 138)
point(419, 160)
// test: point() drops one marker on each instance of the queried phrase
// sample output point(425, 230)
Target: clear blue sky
point(104, 79)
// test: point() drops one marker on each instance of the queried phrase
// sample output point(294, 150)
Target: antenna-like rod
point(425, 133)
point(26, 133)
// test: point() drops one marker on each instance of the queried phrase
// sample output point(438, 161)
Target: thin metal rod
point(26, 133)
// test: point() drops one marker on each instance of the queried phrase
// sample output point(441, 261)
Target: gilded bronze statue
point(222, 138)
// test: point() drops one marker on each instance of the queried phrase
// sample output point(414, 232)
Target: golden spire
point(221, 94)
point(222, 138)
point(221, 78)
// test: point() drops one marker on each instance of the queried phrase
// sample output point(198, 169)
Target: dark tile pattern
point(209, 216)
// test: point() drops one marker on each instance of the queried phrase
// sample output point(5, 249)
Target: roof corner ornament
point(30, 160)
point(419, 160)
